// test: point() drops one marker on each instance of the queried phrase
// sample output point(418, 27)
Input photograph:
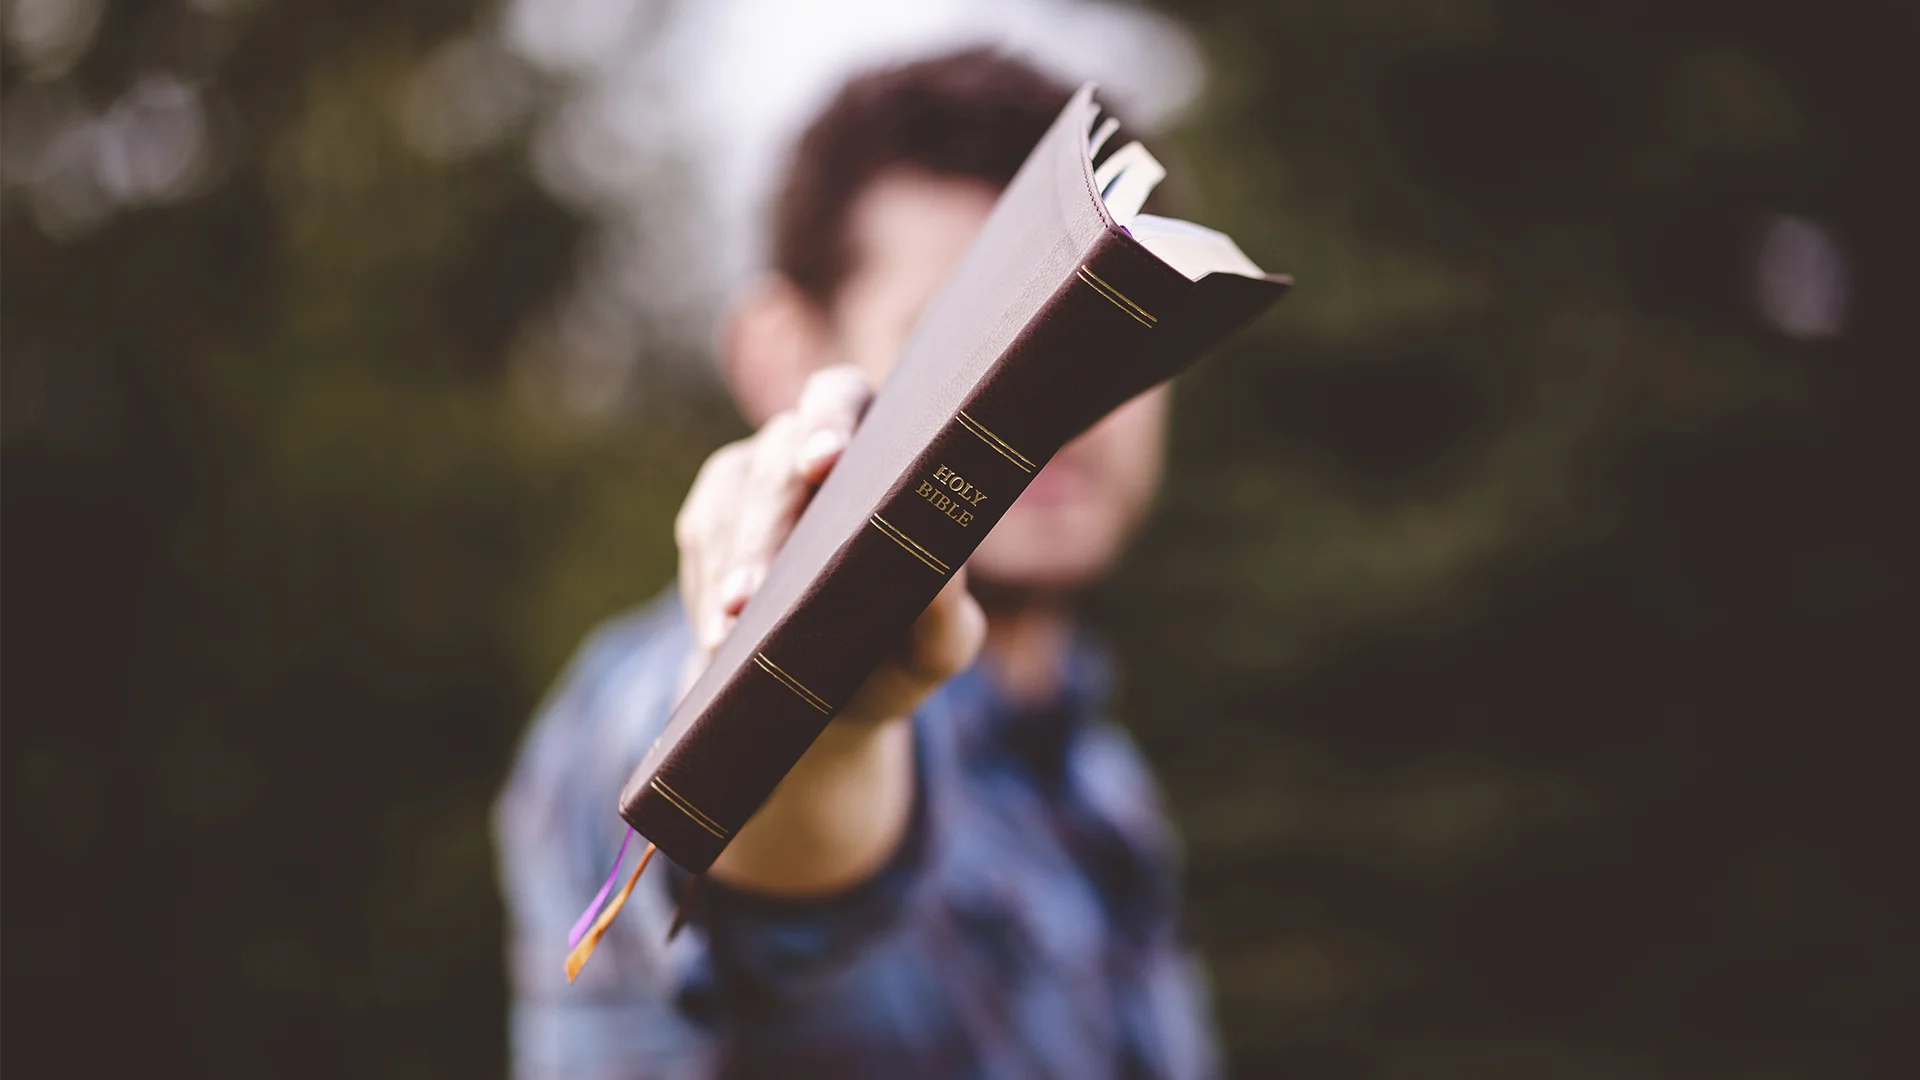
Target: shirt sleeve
point(557, 832)
point(765, 948)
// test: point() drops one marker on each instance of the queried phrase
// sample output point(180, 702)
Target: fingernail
point(736, 584)
point(821, 445)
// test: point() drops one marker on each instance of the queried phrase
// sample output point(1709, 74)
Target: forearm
point(835, 818)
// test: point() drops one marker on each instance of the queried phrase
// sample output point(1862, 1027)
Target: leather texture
point(1054, 317)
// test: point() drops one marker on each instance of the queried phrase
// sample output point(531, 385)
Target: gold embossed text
point(951, 494)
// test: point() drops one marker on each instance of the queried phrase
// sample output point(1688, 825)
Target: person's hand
point(744, 503)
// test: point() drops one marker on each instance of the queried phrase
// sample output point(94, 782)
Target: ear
point(771, 341)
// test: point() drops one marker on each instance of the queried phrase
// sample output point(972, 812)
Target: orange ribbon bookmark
point(577, 959)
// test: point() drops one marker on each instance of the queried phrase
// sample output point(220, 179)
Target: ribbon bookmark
point(586, 917)
point(577, 959)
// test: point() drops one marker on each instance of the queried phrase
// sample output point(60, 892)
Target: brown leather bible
point(1068, 303)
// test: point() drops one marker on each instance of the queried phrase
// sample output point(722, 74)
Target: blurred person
point(969, 873)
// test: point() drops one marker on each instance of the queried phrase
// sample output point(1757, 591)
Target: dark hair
point(974, 114)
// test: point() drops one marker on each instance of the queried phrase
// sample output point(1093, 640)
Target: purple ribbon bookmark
point(586, 917)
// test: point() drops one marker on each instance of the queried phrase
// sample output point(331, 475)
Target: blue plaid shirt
point(1025, 927)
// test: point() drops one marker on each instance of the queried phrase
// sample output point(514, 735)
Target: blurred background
point(1523, 641)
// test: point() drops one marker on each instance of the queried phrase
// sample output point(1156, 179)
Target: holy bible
point(1068, 303)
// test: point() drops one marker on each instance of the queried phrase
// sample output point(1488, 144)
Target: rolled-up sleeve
point(772, 948)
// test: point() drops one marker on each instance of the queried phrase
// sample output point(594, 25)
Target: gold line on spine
point(999, 444)
point(687, 808)
point(792, 683)
point(1119, 299)
point(888, 530)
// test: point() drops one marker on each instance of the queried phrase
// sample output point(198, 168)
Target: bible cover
point(1056, 315)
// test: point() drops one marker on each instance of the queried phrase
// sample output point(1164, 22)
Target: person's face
point(909, 230)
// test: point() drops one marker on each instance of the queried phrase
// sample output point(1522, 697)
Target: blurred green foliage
point(1517, 643)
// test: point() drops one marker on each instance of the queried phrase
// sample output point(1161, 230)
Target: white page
point(1194, 250)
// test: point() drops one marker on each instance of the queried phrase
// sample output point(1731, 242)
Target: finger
point(830, 408)
point(790, 455)
point(768, 502)
point(702, 531)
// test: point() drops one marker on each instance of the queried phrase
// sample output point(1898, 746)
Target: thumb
point(941, 644)
point(946, 637)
